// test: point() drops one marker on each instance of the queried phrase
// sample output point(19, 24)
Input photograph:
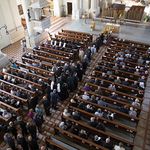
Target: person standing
point(9, 139)
point(54, 98)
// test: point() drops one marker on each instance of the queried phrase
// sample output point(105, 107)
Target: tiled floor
point(139, 33)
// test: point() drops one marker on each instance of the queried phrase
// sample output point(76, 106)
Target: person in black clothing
point(46, 104)
point(22, 141)
point(8, 138)
point(33, 145)
point(22, 125)
point(54, 99)
point(12, 129)
point(38, 119)
point(31, 128)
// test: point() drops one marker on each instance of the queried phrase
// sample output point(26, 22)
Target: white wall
point(9, 15)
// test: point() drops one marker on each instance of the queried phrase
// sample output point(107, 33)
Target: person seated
point(135, 84)
point(66, 113)
point(73, 102)
point(116, 66)
point(76, 115)
point(87, 87)
point(83, 133)
point(117, 80)
point(141, 85)
point(89, 108)
point(108, 144)
point(93, 122)
point(62, 125)
point(99, 112)
point(101, 126)
point(113, 95)
point(98, 140)
point(102, 102)
point(124, 109)
point(112, 87)
point(110, 115)
point(132, 113)
point(136, 103)
point(119, 147)
point(85, 96)
point(75, 129)
point(137, 72)
point(126, 82)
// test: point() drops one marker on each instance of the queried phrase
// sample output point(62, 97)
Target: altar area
point(115, 28)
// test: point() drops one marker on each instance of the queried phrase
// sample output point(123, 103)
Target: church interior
point(74, 75)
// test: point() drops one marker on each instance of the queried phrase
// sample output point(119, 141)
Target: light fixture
point(5, 27)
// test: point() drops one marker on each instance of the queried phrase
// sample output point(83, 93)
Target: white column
point(26, 4)
point(81, 7)
point(37, 13)
point(57, 7)
point(75, 10)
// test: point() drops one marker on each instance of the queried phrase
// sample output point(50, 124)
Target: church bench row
point(99, 74)
point(10, 85)
point(78, 139)
point(113, 51)
point(74, 36)
point(71, 39)
point(56, 51)
point(90, 129)
point(129, 42)
point(51, 144)
point(128, 64)
point(32, 75)
point(9, 107)
point(120, 94)
point(112, 109)
point(38, 86)
point(120, 72)
point(128, 89)
point(42, 58)
point(51, 55)
point(40, 71)
point(40, 64)
point(108, 122)
point(126, 47)
point(128, 61)
point(77, 32)
point(22, 100)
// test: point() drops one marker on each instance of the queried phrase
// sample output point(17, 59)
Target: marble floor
point(140, 33)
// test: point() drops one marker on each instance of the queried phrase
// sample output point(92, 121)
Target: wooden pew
point(24, 80)
point(50, 55)
point(111, 101)
point(115, 76)
point(104, 120)
point(56, 51)
point(18, 87)
point(40, 71)
point(117, 92)
point(123, 73)
point(42, 58)
point(91, 129)
point(9, 107)
point(54, 145)
point(44, 65)
point(30, 74)
point(78, 139)
point(121, 87)
point(24, 101)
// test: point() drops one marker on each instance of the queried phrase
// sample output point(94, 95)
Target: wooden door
point(69, 8)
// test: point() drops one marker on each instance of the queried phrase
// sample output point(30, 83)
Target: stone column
point(94, 8)
point(81, 8)
point(25, 5)
point(75, 10)
point(57, 8)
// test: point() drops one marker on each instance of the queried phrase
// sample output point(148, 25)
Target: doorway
point(69, 8)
